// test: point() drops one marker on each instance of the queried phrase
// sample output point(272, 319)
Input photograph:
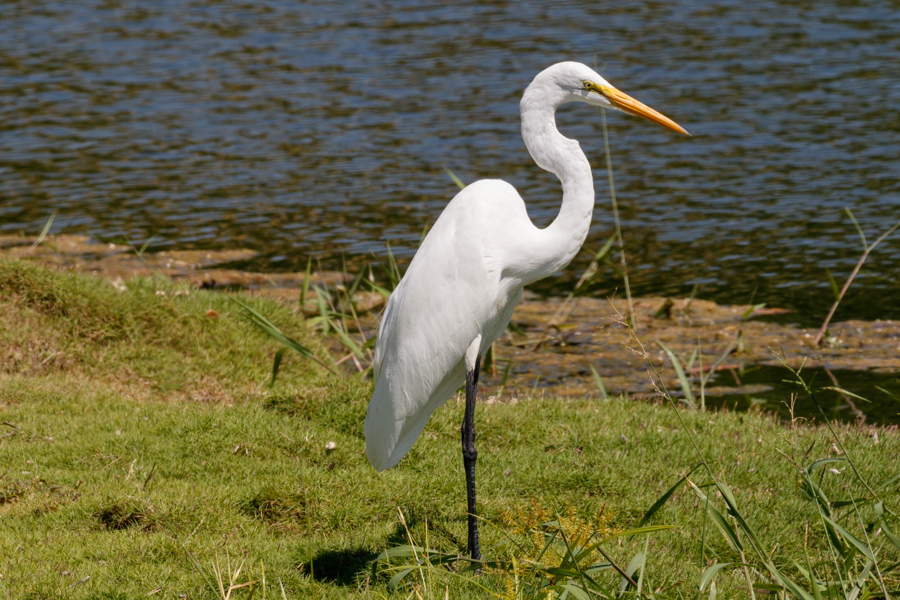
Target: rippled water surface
point(321, 128)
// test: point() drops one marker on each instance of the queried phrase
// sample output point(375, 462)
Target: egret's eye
point(589, 86)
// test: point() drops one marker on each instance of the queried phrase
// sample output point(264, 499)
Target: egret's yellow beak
point(624, 102)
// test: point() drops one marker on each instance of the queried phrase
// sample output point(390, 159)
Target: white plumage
point(456, 291)
point(460, 290)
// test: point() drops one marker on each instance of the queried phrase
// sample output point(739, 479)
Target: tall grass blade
point(307, 276)
point(276, 334)
point(550, 539)
point(886, 483)
point(788, 583)
point(615, 204)
point(682, 377)
point(44, 232)
point(838, 504)
point(573, 563)
point(354, 285)
point(719, 520)
point(810, 575)
point(835, 288)
point(816, 493)
point(140, 251)
point(844, 392)
point(275, 364)
point(865, 550)
point(394, 584)
point(823, 461)
point(487, 363)
point(615, 566)
point(598, 546)
point(576, 591)
point(879, 510)
point(506, 371)
point(348, 341)
point(378, 289)
point(601, 254)
point(321, 302)
point(860, 581)
point(392, 265)
point(710, 573)
point(867, 249)
point(859, 229)
point(665, 497)
point(599, 382)
point(693, 358)
point(824, 509)
point(891, 395)
point(752, 309)
point(687, 306)
point(728, 495)
point(459, 182)
point(636, 563)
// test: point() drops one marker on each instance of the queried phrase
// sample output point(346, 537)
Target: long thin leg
point(469, 456)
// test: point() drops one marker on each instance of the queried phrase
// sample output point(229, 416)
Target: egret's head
point(575, 82)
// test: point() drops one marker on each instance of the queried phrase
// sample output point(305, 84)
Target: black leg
point(469, 456)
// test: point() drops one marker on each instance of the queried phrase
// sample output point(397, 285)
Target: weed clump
point(275, 505)
point(532, 521)
point(125, 514)
point(339, 402)
point(10, 493)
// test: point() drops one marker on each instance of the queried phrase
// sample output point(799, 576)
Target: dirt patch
point(561, 346)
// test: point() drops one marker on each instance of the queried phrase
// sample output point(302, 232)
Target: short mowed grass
point(144, 454)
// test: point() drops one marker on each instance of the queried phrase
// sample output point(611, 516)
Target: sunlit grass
point(143, 451)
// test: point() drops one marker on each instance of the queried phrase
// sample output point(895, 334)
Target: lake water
point(321, 129)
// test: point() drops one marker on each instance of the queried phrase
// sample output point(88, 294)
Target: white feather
point(460, 290)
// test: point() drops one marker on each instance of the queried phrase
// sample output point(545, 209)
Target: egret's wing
point(432, 317)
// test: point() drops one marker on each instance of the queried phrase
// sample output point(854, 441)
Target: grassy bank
point(144, 454)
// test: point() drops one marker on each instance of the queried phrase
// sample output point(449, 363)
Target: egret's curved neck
point(561, 240)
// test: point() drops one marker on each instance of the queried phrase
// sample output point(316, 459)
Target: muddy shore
point(553, 342)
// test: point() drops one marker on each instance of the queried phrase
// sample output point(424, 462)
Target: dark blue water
point(321, 129)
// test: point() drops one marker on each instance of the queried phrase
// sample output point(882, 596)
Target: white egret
point(460, 289)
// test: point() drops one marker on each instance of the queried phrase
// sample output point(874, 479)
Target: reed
point(839, 295)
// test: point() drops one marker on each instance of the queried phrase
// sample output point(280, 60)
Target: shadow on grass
point(348, 566)
point(341, 567)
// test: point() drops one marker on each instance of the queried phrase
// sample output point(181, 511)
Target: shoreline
point(553, 343)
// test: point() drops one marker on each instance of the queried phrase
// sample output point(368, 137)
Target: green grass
point(147, 452)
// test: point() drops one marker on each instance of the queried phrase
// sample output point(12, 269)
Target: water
point(875, 396)
point(320, 129)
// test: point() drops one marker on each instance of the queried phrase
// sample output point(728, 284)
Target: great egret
point(460, 289)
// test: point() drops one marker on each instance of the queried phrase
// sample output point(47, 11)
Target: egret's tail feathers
point(393, 422)
point(389, 438)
